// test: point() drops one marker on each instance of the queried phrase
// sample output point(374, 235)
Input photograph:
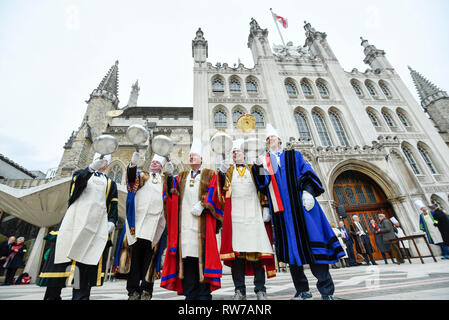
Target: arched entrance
point(358, 194)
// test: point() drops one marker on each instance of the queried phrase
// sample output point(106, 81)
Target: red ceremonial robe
point(227, 254)
point(211, 269)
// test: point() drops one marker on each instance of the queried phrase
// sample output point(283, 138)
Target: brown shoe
point(145, 296)
point(134, 296)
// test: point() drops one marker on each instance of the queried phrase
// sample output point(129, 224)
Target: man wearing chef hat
point(303, 233)
point(81, 241)
point(246, 238)
point(145, 223)
point(192, 265)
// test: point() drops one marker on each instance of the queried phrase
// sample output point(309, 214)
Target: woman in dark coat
point(15, 260)
point(443, 227)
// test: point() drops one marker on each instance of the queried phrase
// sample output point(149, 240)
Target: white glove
point(308, 201)
point(197, 209)
point(224, 167)
point(111, 227)
point(134, 159)
point(266, 214)
point(259, 160)
point(97, 164)
point(169, 168)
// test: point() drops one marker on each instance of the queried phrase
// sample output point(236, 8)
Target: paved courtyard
point(382, 282)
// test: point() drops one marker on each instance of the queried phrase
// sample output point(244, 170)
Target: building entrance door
point(360, 195)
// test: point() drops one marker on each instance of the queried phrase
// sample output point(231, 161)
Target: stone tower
point(374, 57)
point(78, 150)
point(435, 103)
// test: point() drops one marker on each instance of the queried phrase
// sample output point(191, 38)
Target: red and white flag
point(280, 19)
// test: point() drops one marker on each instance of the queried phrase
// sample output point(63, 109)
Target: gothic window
point(234, 86)
point(350, 194)
point(411, 160)
point(321, 128)
point(306, 89)
point(217, 85)
point(291, 89)
point(371, 89)
point(260, 120)
point(235, 116)
point(303, 128)
point(340, 195)
point(357, 89)
point(116, 174)
point(385, 89)
point(427, 159)
point(339, 129)
point(370, 193)
point(360, 194)
point(322, 89)
point(403, 119)
point(220, 119)
point(251, 86)
point(388, 119)
point(373, 119)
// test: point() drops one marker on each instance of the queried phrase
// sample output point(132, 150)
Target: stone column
point(34, 259)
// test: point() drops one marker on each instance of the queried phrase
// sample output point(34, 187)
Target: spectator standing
point(443, 226)
point(380, 241)
point(5, 250)
point(14, 260)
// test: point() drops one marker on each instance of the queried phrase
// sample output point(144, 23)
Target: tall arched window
point(235, 116)
point(220, 119)
point(341, 134)
point(385, 89)
point(260, 120)
point(116, 174)
point(303, 128)
point(306, 89)
point(217, 85)
point(388, 119)
point(357, 89)
point(427, 159)
point(291, 89)
point(234, 86)
point(373, 119)
point(371, 89)
point(403, 119)
point(251, 86)
point(411, 160)
point(321, 128)
point(322, 89)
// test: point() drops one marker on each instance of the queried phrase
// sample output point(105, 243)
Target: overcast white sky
point(54, 53)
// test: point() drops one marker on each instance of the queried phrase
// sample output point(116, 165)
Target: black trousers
point(191, 286)
point(238, 275)
point(9, 277)
point(325, 283)
point(351, 255)
point(141, 254)
point(368, 256)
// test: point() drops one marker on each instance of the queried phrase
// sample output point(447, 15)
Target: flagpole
point(277, 26)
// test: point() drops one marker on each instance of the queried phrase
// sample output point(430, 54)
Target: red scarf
point(13, 248)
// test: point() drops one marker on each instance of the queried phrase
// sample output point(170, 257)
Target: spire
point(108, 87)
point(199, 47)
point(132, 102)
point(110, 80)
point(374, 57)
point(427, 91)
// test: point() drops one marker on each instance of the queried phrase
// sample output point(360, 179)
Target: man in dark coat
point(15, 260)
point(5, 250)
point(349, 244)
point(442, 225)
point(362, 243)
point(387, 232)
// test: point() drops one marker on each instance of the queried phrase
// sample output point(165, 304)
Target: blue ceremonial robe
point(301, 237)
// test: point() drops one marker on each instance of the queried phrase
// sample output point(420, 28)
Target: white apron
point(149, 209)
point(189, 222)
point(248, 229)
point(434, 232)
point(84, 229)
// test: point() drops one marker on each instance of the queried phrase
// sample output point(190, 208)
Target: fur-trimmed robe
point(208, 194)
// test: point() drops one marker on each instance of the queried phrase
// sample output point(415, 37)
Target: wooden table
point(400, 240)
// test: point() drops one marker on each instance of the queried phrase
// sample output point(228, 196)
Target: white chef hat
point(159, 159)
point(237, 144)
point(197, 147)
point(419, 204)
point(106, 157)
point(271, 131)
